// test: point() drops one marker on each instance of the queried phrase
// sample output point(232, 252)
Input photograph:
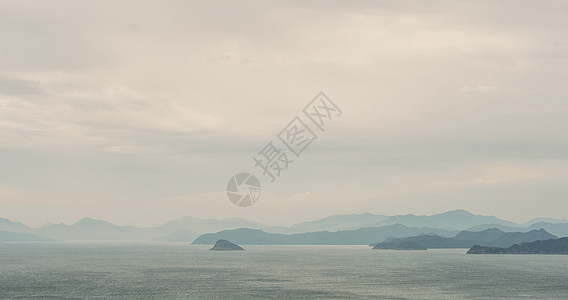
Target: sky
point(139, 112)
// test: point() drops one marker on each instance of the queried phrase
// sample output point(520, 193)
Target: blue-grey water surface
point(141, 270)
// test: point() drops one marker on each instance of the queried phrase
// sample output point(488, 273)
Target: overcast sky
point(138, 112)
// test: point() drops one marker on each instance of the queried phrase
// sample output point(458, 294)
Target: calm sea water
point(164, 271)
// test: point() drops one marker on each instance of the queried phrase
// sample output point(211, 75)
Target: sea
point(145, 270)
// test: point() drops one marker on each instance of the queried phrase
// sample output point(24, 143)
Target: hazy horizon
point(272, 224)
point(138, 113)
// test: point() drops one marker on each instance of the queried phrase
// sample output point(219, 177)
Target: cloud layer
point(138, 111)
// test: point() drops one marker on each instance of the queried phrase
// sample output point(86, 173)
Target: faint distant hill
point(362, 236)
point(511, 238)
point(7, 236)
point(466, 239)
point(177, 230)
point(419, 242)
point(184, 229)
point(187, 228)
point(91, 229)
point(207, 225)
point(332, 223)
point(543, 220)
point(455, 220)
point(552, 246)
point(451, 220)
point(559, 229)
point(498, 226)
point(8, 225)
point(489, 234)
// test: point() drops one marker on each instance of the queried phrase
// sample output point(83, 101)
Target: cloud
point(155, 100)
point(478, 89)
point(16, 87)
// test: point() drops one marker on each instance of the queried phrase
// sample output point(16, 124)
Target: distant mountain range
point(558, 229)
point(187, 229)
point(451, 220)
point(362, 236)
point(465, 239)
point(8, 225)
point(543, 220)
point(332, 223)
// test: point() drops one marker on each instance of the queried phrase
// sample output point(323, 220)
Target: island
point(402, 245)
point(224, 245)
point(492, 237)
point(554, 246)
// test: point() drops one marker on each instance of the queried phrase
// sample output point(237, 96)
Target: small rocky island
point(556, 246)
point(224, 245)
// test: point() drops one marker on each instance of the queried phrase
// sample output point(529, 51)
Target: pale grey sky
point(138, 112)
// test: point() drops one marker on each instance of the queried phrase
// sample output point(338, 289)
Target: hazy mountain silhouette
point(362, 236)
point(207, 225)
point(543, 220)
point(186, 228)
point(511, 238)
point(466, 239)
point(427, 241)
point(558, 229)
point(456, 220)
point(489, 234)
point(91, 229)
point(332, 223)
point(8, 225)
point(500, 227)
point(452, 220)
